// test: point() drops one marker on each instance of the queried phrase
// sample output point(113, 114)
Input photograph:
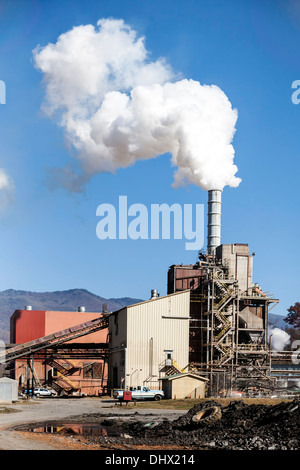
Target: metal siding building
point(8, 390)
point(186, 385)
point(146, 339)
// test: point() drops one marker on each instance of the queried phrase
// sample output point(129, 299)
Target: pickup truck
point(140, 393)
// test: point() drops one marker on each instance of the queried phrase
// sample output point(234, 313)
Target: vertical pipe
point(27, 377)
point(32, 374)
point(237, 353)
point(207, 324)
point(214, 220)
point(45, 369)
point(151, 358)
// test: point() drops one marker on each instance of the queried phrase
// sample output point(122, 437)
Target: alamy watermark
point(2, 92)
point(296, 94)
point(161, 221)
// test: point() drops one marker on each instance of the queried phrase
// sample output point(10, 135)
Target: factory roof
point(184, 374)
point(151, 300)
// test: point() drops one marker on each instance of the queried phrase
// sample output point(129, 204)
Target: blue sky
point(250, 50)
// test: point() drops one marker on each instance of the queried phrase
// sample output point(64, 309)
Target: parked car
point(44, 392)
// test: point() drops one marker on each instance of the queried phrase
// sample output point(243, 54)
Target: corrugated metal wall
point(153, 328)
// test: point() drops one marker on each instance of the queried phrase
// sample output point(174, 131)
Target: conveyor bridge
point(53, 339)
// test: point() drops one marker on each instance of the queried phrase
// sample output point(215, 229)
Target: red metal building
point(76, 367)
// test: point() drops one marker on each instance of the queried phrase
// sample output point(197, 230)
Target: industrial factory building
point(137, 345)
point(229, 316)
point(209, 334)
point(229, 313)
point(149, 340)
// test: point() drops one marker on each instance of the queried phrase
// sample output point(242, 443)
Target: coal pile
point(238, 427)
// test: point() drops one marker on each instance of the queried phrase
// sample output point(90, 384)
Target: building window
point(92, 371)
point(169, 358)
point(97, 370)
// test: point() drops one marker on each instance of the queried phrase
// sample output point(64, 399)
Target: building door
point(115, 377)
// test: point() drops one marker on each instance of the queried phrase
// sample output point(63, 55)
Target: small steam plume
point(117, 106)
point(278, 339)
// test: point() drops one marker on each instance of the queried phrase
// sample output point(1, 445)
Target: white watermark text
point(162, 221)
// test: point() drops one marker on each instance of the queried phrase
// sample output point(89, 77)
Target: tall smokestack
point(214, 220)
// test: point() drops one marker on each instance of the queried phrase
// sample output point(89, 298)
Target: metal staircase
point(226, 351)
point(175, 369)
point(226, 294)
point(224, 326)
point(64, 383)
point(60, 380)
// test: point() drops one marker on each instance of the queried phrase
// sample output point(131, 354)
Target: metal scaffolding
point(228, 326)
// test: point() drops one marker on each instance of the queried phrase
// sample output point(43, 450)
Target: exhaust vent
point(154, 294)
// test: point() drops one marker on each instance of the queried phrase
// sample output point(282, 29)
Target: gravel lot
point(51, 409)
point(235, 425)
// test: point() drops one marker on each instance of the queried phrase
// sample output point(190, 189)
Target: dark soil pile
point(241, 427)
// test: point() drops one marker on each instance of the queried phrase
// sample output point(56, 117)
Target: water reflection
point(82, 429)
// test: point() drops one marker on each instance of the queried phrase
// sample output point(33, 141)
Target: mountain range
point(70, 300)
point(277, 321)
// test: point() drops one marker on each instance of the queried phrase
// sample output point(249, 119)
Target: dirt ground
point(239, 425)
point(25, 414)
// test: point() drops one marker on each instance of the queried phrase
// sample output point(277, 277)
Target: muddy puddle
point(71, 429)
point(237, 426)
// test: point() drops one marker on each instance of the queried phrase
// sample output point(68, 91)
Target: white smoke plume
point(278, 339)
point(117, 106)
